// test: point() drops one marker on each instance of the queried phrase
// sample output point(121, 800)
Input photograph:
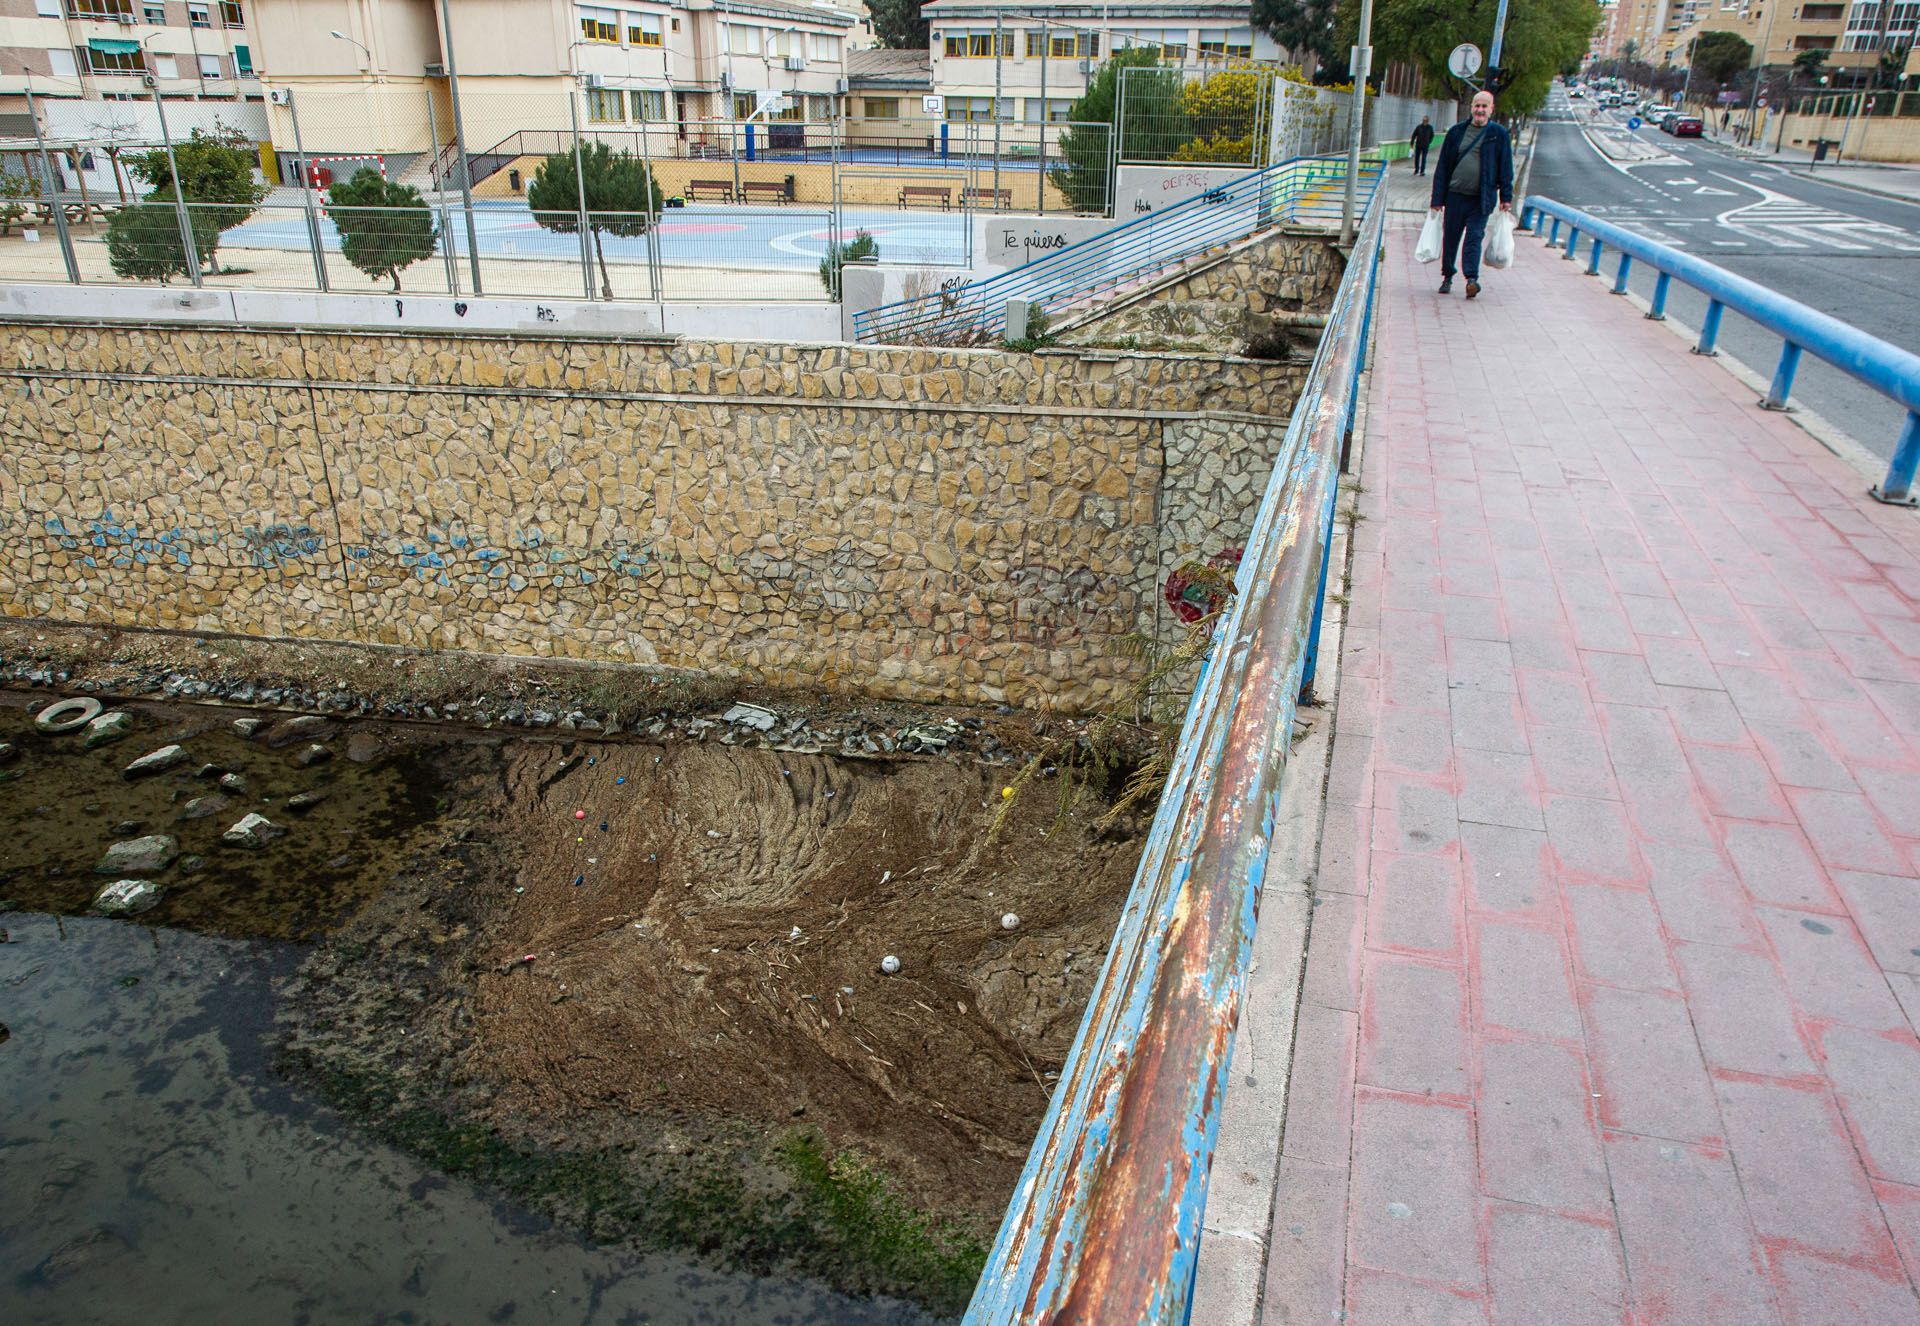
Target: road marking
point(1777, 216)
point(1708, 191)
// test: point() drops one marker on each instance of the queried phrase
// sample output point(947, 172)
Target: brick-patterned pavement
point(1615, 959)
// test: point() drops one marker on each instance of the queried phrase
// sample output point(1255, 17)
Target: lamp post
point(173, 169)
point(338, 35)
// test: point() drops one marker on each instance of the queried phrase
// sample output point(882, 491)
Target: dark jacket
point(1496, 165)
point(1422, 135)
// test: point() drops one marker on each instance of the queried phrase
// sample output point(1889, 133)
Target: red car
point(1686, 127)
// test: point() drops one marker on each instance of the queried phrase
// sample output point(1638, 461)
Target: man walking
point(1422, 139)
point(1475, 174)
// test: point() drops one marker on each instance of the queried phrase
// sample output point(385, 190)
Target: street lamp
point(173, 168)
point(338, 35)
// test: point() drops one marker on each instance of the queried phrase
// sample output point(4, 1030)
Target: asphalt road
point(1853, 255)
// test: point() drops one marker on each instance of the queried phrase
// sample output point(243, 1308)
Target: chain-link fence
point(1248, 116)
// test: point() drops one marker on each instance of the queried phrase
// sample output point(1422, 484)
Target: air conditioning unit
point(726, 80)
point(124, 20)
point(796, 63)
point(435, 71)
point(596, 80)
point(1088, 66)
point(279, 96)
point(840, 86)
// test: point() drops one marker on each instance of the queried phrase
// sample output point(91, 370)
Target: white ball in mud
point(1011, 921)
point(889, 964)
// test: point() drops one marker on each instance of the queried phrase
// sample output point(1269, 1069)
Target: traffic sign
point(1465, 60)
point(1633, 122)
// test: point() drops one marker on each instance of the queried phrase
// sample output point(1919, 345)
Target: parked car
point(1687, 126)
point(1667, 121)
point(1577, 93)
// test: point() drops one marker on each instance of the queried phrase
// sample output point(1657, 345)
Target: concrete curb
point(1236, 1228)
point(1913, 198)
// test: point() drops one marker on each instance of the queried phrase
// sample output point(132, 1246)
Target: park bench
point(774, 189)
point(722, 187)
point(993, 197)
point(933, 193)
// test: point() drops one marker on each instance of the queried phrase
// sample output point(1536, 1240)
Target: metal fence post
point(1710, 328)
point(1658, 311)
point(460, 142)
point(179, 198)
point(306, 195)
point(1593, 259)
point(1620, 278)
point(49, 185)
point(580, 192)
point(1782, 386)
point(1046, 117)
point(1897, 488)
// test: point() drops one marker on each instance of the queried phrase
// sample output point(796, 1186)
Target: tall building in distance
point(104, 50)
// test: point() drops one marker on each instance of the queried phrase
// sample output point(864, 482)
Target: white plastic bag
point(1428, 249)
point(1496, 250)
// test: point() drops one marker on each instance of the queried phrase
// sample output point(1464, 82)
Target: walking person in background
point(1474, 175)
point(1421, 140)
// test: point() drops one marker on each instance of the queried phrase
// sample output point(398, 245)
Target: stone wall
point(1226, 301)
point(924, 524)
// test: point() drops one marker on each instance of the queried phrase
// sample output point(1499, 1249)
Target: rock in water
point(108, 727)
point(290, 730)
point(308, 756)
point(233, 782)
point(246, 727)
point(157, 761)
point(306, 800)
point(127, 897)
point(253, 831)
point(8, 752)
point(139, 856)
point(201, 807)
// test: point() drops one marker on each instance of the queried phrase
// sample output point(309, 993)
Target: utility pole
point(173, 168)
point(1362, 66)
point(460, 145)
point(51, 184)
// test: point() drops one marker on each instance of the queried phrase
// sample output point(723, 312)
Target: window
point(47, 8)
point(1056, 109)
point(156, 14)
point(61, 63)
point(606, 105)
point(649, 106)
point(820, 109)
point(743, 41)
point(1226, 43)
point(978, 108)
point(880, 108)
point(599, 25)
point(1821, 13)
point(793, 110)
point(231, 15)
point(199, 16)
point(209, 66)
point(111, 61)
point(976, 45)
point(165, 66)
point(821, 46)
point(107, 9)
point(243, 61)
point(643, 30)
point(744, 105)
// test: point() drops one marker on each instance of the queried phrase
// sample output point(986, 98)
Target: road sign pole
point(1499, 37)
point(1362, 65)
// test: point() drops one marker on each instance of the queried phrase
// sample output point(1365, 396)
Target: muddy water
point(153, 1166)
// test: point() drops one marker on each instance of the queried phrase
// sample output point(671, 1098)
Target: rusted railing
point(1105, 1225)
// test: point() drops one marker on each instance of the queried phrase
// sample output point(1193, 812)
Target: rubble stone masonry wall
point(913, 523)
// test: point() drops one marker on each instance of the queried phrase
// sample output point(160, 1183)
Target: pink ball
point(579, 814)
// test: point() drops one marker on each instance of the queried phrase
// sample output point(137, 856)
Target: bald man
point(1474, 175)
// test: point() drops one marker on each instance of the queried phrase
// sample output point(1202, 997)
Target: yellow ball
point(1006, 791)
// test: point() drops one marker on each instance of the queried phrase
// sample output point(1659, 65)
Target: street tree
point(1156, 125)
point(1719, 56)
point(622, 198)
point(384, 227)
point(1540, 38)
point(1808, 64)
point(216, 180)
point(1304, 27)
point(12, 189)
point(899, 24)
point(1893, 66)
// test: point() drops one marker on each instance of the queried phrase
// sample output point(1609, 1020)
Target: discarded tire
point(67, 715)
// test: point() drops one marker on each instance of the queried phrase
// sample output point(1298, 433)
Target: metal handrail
point(1123, 255)
point(1889, 370)
point(1105, 1223)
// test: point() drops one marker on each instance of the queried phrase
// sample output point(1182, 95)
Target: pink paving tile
point(1346, 836)
point(1698, 895)
point(1617, 939)
point(1522, 981)
point(1548, 1270)
point(1413, 1027)
point(1691, 1260)
point(1494, 787)
point(1876, 1077)
point(1591, 840)
point(1555, 699)
point(1739, 784)
point(1804, 756)
point(1487, 720)
point(1741, 1011)
point(1900, 1205)
point(1485, 665)
point(1803, 1183)
point(1819, 1291)
point(1640, 738)
point(1319, 1122)
point(1415, 740)
point(1845, 833)
point(1647, 1066)
point(1507, 870)
point(1777, 866)
point(1572, 761)
point(1830, 973)
point(1382, 1299)
point(1416, 905)
point(1538, 1140)
point(1704, 716)
point(1412, 1200)
point(1665, 806)
point(1895, 794)
point(1334, 947)
point(1307, 1254)
point(1859, 734)
point(1619, 678)
point(1412, 814)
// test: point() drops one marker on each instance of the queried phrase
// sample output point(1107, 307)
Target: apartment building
point(380, 88)
point(1853, 34)
point(104, 50)
point(1069, 39)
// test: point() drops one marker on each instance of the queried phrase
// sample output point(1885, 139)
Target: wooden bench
point(994, 197)
point(939, 193)
point(724, 188)
point(774, 189)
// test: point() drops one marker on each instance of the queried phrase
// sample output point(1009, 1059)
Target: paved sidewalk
point(1615, 953)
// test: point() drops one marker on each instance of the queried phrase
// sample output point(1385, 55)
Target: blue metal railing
point(1303, 191)
point(1105, 1223)
point(1889, 370)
